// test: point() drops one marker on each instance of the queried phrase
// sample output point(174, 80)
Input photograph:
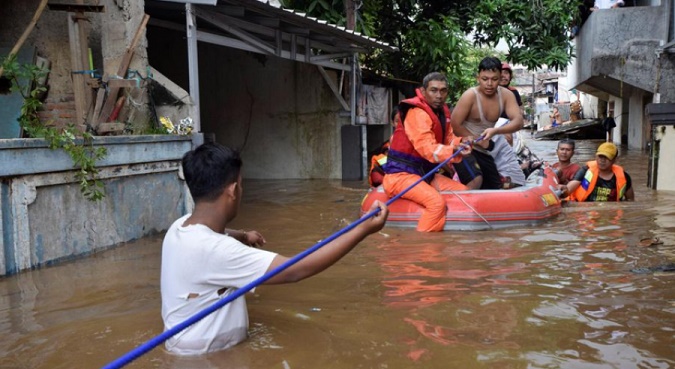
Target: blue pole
point(157, 340)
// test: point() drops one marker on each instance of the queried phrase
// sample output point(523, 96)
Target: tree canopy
point(434, 35)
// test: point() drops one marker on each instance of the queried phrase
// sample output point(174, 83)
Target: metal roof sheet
point(319, 28)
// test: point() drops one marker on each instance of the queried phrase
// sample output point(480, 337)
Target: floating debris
point(650, 241)
point(669, 267)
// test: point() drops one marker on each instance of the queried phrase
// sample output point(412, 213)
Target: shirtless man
point(475, 115)
point(564, 168)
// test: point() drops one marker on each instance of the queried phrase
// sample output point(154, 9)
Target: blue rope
point(157, 340)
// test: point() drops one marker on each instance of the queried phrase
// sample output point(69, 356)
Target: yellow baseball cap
point(607, 150)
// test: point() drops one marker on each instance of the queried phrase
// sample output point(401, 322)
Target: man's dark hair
point(490, 63)
point(394, 111)
point(433, 76)
point(210, 168)
point(566, 141)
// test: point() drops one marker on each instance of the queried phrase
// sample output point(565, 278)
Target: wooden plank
point(100, 96)
point(110, 128)
point(193, 66)
point(83, 41)
point(122, 83)
point(111, 99)
point(77, 7)
point(79, 83)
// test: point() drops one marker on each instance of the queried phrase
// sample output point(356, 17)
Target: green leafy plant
point(439, 35)
point(78, 145)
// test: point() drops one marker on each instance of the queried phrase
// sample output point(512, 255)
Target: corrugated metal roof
point(320, 24)
point(274, 9)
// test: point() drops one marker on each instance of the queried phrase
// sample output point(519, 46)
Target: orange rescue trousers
point(425, 194)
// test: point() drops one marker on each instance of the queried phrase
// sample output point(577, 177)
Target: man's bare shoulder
point(468, 97)
point(508, 95)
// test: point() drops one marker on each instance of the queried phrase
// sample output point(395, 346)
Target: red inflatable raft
point(531, 204)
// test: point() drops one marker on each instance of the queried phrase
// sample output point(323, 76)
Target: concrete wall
point(636, 135)
point(616, 49)
point(619, 57)
point(280, 114)
point(666, 174)
point(620, 115)
point(45, 219)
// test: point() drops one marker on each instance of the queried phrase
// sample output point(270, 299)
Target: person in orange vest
point(377, 161)
point(422, 140)
point(600, 179)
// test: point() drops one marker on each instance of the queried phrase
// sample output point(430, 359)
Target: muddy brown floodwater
point(579, 291)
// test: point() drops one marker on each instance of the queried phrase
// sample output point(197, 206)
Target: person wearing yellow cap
point(601, 179)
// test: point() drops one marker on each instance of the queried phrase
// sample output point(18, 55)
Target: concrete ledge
point(661, 114)
point(20, 156)
point(44, 218)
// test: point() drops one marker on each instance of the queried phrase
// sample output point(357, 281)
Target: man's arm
point(418, 129)
point(461, 113)
point(250, 238)
point(575, 182)
point(330, 253)
point(519, 101)
point(630, 194)
point(513, 111)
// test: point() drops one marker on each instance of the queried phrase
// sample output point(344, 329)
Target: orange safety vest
point(402, 154)
point(591, 179)
point(376, 172)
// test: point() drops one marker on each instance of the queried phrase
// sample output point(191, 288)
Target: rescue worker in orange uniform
point(423, 140)
point(601, 179)
point(377, 161)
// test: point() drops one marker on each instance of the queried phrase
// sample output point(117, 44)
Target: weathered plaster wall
point(280, 114)
point(44, 217)
point(620, 46)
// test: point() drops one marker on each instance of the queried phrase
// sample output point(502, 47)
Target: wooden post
point(76, 57)
point(111, 99)
point(193, 66)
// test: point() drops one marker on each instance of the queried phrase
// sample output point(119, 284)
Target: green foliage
point(431, 35)
point(81, 150)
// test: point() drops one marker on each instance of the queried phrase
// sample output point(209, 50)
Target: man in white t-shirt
point(203, 261)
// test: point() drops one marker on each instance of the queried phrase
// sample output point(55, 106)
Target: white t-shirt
point(506, 160)
point(197, 262)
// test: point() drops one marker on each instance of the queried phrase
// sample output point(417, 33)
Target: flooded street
point(583, 290)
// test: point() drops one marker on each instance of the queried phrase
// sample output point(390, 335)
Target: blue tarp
point(10, 103)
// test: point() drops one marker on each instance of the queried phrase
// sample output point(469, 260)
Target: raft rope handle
point(157, 340)
point(471, 207)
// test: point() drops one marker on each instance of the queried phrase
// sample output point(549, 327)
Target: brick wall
point(58, 112)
